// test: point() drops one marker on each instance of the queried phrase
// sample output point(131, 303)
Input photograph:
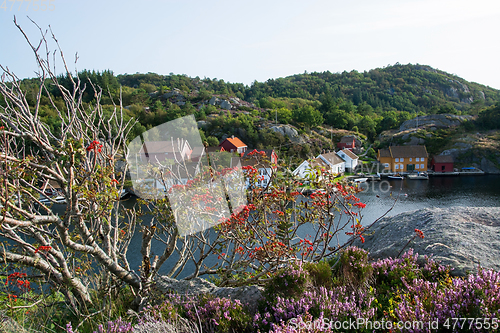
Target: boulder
point(287, 130)
point(247, 295)
point(214, 100)
point(462, 237)
point(225, 105)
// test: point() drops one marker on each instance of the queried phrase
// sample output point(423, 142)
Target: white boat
point(360, 180)
point(420, 175)
point(395, 176)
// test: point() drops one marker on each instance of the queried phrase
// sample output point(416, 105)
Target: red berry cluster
point(43, 248)
point(419, 233)
point(95, 146)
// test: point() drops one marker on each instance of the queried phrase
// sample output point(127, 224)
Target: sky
point(244, 41)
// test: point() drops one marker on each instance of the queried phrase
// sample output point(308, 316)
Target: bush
point(352, 269)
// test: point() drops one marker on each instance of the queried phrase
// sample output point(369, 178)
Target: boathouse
point(442, 163)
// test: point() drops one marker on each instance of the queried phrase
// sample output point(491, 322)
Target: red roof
point(236, 142)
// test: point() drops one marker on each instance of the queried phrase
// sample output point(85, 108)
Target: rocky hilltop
point(463, 237)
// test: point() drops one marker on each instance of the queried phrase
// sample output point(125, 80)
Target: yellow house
point(404, 158)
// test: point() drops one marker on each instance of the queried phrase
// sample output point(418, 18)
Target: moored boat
point(395, 176)
point(420, 175)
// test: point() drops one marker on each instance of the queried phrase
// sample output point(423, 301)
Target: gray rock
point(9, 325)
point(291, 132)
point(214, 100)
point(435, 120)
point(225, 105)
point(202, 123)
point(175, 92)
point(462, 145)
point(247, 295)
point(415, 141)
point(462, 237)
point(488, 166)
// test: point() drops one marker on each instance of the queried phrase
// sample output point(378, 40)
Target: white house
point(329, 161)
point(334, 162)
point(351, 159)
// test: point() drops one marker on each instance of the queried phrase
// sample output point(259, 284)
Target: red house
point(233, 145)
point(442, 163)
point(348, 142)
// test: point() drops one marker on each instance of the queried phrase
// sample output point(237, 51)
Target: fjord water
point(442, 192)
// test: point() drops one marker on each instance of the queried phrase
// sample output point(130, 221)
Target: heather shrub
point(337, 304)
point(320, 274)
point(290, 281)
point(352, 269)
point(388, 273)
point(474, 296)
point(117, 326)
point(213, 314)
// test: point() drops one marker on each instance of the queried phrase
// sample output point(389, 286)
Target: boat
point(420, 175)
point(360, 180)
point(395, 176)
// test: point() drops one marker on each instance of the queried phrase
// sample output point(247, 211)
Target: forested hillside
point(366, 103)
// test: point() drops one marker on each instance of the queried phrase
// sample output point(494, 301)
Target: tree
point(284, 115)
point(212, 141)
point(308, 115)
point(80, 160)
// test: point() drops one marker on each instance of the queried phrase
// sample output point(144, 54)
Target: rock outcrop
point(462, 237)
point(291, 132)
point(248, 295)
point(435, 120)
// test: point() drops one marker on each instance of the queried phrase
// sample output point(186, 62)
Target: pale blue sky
point(243, 41)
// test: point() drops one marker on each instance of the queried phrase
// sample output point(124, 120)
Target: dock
point(475, 172)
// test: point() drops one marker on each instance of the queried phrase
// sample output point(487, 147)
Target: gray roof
point(350, 154)
point(408, 151)
point(443, 159)
point(333, 158)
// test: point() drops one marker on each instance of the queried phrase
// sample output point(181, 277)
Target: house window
point(410, 159)
point(401, 159)
point(386, 165)
point(397, 159)
point(421, 166)
point(397, 166)
point(417, 166)
point(418, 159)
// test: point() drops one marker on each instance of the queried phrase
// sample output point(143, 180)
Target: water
point(440, 192)
point(473, 191)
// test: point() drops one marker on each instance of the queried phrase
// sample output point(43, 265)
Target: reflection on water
point(473, 191)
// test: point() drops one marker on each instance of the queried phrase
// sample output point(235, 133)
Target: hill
point(412, 88)
point(368, 103)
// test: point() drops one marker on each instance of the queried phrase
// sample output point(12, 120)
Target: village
point(350, 161)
